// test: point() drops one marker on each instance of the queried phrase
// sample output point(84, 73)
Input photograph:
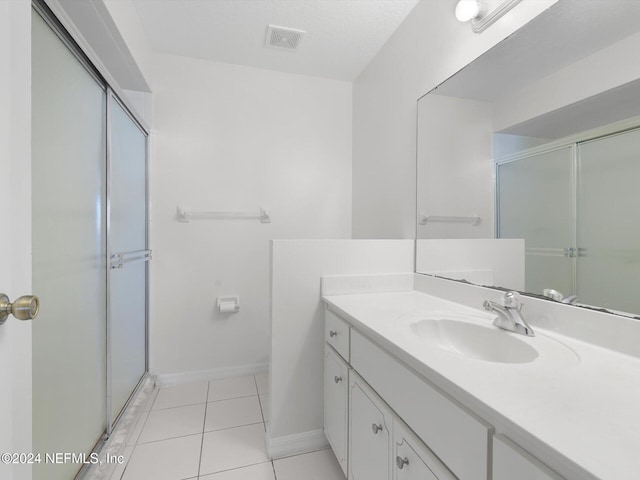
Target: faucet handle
point(512, 300)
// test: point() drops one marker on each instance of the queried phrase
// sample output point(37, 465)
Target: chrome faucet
point(558, 297)
point(509, 316)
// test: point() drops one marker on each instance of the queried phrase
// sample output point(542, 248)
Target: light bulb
point(467, 10)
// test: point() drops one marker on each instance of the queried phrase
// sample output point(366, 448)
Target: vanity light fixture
point(475, 12)
point(467, 10)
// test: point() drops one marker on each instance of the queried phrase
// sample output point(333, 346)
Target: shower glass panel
point(127, 246)
point(535, 202)
point(69, 253)
point(608, 229)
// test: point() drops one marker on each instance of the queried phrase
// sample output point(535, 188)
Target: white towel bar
point(185, 216)
point(474, 221)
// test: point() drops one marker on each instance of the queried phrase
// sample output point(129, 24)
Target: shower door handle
point(24, 308)
point(118, 260)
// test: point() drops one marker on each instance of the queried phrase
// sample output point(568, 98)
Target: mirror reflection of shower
point(520, 139)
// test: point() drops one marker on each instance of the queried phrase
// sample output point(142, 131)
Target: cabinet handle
point(337, 379)
point(333, 333)
point(376, 428)
point(401, 462)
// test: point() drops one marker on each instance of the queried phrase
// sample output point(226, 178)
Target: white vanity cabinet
point(369, 396)
point(458, 437)
point(412, 460)
point(336, 382)
point(510, 461)
point(370, 422)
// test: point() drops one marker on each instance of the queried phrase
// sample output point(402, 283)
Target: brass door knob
point(24, 308)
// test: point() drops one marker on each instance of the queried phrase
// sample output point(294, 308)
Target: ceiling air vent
point(283, 38)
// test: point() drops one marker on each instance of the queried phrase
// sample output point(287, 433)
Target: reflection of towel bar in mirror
point(473, 221)
point(185, 216)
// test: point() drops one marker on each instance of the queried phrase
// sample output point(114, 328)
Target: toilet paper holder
point(228, 304)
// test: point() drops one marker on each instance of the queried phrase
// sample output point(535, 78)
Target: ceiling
point(342, 36)
point(569, 31)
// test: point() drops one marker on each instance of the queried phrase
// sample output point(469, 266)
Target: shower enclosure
point(576, 206)
point(90, 253)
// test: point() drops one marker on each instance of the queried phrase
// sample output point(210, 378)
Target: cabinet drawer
point(336, 381)
point(458, 438)
point(510, 461)
point(411, 458)
point(336, 333)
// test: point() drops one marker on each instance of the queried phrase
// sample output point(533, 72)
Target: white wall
point(297, 327)
point(15, 242)
point(228, 138)
point(429, 46)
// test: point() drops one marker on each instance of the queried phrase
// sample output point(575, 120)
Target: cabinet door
point(336, 380)
point(369, 433)
point(411, 458)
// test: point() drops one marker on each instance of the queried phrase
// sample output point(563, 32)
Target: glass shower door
point(69, 253)
point(608, 228)
point(128, 256)
point(535, 202)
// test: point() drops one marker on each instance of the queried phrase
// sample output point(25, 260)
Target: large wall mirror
point(539, 139)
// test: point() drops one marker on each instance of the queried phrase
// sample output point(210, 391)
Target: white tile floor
point(214, 431)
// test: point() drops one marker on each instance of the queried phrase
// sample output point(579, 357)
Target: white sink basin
point(479, 342)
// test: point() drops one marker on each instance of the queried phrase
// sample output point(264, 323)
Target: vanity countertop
point(579, 414)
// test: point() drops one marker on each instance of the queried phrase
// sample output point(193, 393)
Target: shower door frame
point(572, 141)
point(113, 97)
point(53, 15)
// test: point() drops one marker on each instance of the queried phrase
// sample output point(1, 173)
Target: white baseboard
point(288, 445)
point(165, 379)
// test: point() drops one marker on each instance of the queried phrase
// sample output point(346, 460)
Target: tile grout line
point(177, 406)
point(302, 453)
point(145, 422)
point(200, 403)
point(135, 443)
point(264, 424)
point(255, 380)
point(196, 433)
point(235, 426)
point(204, 424)
point(233, 469)
point(170, 438)
point(154, 438)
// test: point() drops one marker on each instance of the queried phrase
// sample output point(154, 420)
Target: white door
point(15, 233)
